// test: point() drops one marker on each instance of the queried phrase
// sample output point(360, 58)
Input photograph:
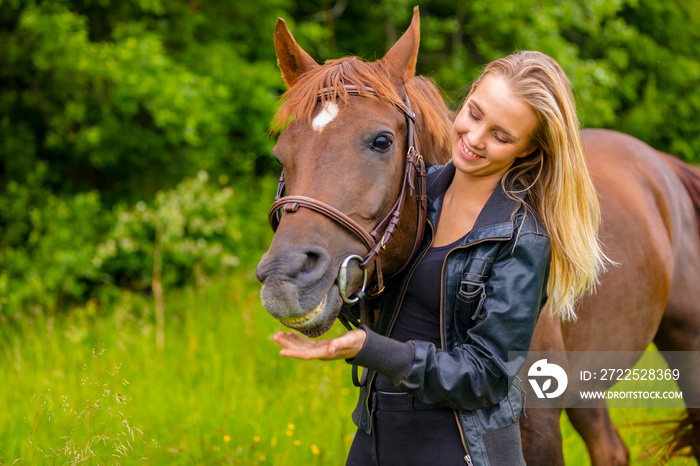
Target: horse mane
point(327, 84)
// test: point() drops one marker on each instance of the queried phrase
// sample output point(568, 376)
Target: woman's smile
point(467, 152)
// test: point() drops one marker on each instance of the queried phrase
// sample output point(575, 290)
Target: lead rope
point(347, 318)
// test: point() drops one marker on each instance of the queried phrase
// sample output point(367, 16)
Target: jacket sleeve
point(477, 373)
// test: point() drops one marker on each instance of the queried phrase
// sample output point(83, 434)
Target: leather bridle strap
point(413, 180)
point(292, 203)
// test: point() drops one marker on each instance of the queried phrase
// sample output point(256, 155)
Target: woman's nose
point(475, 137)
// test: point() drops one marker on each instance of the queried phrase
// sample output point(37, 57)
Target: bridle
point(376, 240)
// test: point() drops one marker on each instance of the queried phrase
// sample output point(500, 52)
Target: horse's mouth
point(320, 319)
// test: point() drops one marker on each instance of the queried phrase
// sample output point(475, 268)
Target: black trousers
point(407, 432)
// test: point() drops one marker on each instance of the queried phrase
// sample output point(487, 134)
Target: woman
point(513, 223)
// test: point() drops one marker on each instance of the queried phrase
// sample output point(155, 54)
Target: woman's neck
point(473, 190)
point(461, 205)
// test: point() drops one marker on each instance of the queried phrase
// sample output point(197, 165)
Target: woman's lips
point(466, 152)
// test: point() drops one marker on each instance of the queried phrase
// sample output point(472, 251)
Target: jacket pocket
point(468, 306)
point(472, 294)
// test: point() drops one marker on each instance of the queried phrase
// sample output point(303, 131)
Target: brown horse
point(347, 150)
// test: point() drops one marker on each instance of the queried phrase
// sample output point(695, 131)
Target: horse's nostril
point(314, 265)
point(305, 266)
point(312, 259)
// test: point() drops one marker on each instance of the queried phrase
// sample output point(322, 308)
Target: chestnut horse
point(346, 151)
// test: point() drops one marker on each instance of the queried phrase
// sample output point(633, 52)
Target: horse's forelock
point(328, 82)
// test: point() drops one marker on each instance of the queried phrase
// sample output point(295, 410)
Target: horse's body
point(649, 229)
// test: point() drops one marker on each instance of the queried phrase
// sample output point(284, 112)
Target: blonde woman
point(513, 222)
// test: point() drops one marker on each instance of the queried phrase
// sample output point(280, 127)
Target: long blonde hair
point(555, 177)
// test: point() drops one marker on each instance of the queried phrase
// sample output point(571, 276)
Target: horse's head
point(343, 152)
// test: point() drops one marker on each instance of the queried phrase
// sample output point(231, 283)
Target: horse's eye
point(382, 143)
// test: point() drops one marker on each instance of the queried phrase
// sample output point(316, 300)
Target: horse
point(344, 149)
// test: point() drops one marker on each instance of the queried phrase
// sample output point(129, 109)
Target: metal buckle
point(343, 280)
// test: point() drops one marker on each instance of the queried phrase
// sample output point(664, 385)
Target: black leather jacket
point(493, 289)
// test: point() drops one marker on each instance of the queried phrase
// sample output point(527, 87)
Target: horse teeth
point(305, 318)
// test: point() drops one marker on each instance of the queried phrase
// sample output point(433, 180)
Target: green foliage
point(110, 109)
point(58, 252)
point(200, 225)
point(47, 246)
point(124, 115)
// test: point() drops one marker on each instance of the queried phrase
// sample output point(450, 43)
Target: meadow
point(91, 388)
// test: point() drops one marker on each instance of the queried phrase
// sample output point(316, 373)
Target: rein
point(375, 241)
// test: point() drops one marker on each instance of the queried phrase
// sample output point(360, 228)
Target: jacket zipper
point(467, 457)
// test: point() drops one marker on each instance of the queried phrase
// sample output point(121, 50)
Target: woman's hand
point(344, 347)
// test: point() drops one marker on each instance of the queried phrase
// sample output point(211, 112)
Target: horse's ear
point(292, 60)
point(401, 58)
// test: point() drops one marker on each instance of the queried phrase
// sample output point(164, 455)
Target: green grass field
point(91, 388)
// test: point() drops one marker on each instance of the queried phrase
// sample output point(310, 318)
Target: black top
point(419, 317)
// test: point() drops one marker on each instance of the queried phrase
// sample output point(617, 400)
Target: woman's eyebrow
point(499, 128)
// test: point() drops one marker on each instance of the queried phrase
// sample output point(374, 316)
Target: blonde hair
point(554, 177)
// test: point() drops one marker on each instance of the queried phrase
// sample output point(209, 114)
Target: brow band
point(355, 90)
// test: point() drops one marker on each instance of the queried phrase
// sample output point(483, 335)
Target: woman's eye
point(382, 143)
point(499, 138)
point(474, 117)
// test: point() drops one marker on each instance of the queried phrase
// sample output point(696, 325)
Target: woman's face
point(493, 129)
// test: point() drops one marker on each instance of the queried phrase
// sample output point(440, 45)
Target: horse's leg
point(541, 437)
point(604, 443)
point(680, 331)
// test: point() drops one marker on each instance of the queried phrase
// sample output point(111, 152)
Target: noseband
point(375, 241)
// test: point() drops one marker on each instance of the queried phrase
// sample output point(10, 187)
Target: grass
point(91, 388)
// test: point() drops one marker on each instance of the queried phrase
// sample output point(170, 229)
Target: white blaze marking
point(325, 116)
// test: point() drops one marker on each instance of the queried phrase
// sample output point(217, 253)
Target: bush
point(47, 246)
point(62, 251)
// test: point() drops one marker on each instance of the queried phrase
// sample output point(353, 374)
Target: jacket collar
point(495, 221)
